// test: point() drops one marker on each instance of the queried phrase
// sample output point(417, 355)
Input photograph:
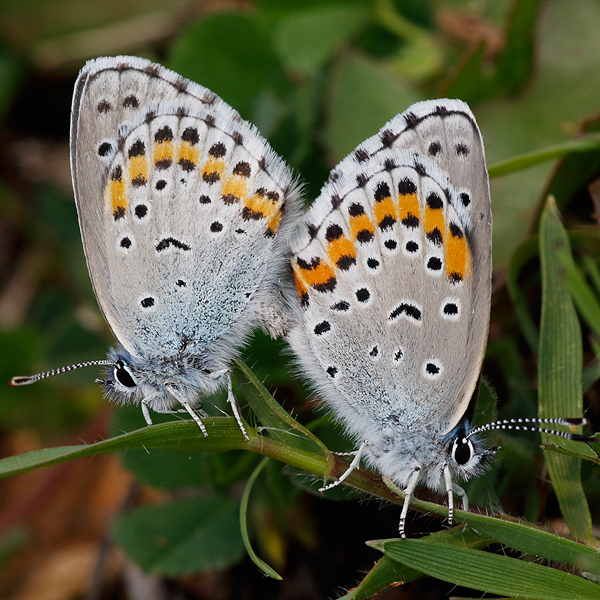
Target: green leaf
point(261, 564)
point(474, 80)
point(575, 170)
point(583, 295)
point(516, 61)
point(183, 536)
point(521, 536)
point(364, 95)
point(11, 73)
point(559, 368)
point(419, 56)
point(589, 452)
point(532, 540)
point(487, 572)
point(231, 55)
point(305, 39)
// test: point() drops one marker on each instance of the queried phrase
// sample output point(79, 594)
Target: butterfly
point(393, 273)
point(184, 211)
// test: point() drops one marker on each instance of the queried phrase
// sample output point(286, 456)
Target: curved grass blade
point(589, 143)
point(223, 435)
point(261, 564)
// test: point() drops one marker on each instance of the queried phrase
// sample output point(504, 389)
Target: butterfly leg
point(146, 408)
point(408, 492)
point(181, 399)
point(216, 375)
point(234, 406)
point(146, 412)
point(449, 487)
point(353, 465)
point(460, 492)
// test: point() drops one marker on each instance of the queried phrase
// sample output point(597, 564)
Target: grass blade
point(261, 564)
point(560, 367)
point(487, 572)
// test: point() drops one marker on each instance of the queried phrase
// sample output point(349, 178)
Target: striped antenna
point(518, 424)
point(28, 379)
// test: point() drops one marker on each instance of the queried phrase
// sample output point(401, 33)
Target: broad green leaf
point(305, 39)
point(364, 95)
point(183, 536)
point(231, 55)
point(559, 368)
point(487, 572)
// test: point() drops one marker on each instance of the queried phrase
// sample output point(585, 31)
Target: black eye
point(462, 451)
point(123, 376)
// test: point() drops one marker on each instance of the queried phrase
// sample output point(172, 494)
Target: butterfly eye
point(462, 451)
point(123, 376)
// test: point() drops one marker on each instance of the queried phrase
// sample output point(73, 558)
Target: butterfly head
point(159, 381)
point(467, 455)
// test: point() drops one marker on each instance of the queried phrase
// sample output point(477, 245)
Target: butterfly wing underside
point(180, 202)
point(393, 271)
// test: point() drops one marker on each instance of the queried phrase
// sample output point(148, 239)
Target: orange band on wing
point(138, 170)
point(340, 248)
point(300, 286)
point(408, 209)
point(116, 196)
point(213, 170)
point(361, 226)
point(188, 155)
point(234, 189)
point(385, 209)
point(163, 154)
point(432, 221)
point(317, 274)
point(458, 255)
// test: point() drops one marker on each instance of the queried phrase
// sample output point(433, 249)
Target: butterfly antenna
point(28, 379)
point(524, 425)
